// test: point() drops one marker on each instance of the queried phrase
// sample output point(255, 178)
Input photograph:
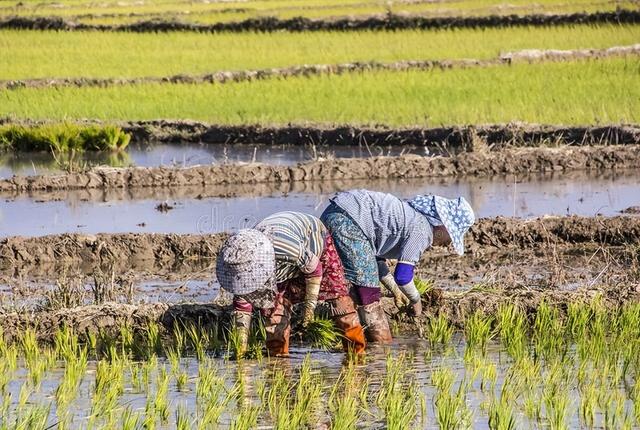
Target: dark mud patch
point(521, 161)
point(297, 24)
point(166, 249)
point(452, 138)
point(456, 306)
point(221, 77)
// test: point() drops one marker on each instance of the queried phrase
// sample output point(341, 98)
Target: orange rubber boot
point(346, 319)
point(278, 328)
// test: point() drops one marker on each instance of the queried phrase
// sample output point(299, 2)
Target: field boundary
point(478, 164)
point(498, 233)
point(452, 137)
point(386, 22)
point(226, 76)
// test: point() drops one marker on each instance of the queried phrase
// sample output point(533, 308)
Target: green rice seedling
point(293, 404)
point(478, 330)
point(398, 395)
point(246, 418)
point(438, 330)
point(512, 328)
point(423, 285)
point(179, 338)
point(154, 342)
point(161, 402)
point(501, 415)
point(578, 316)
point(322, 333)
point(182, 378)
point(548, 332)
point(451, 409)
point(198, 338)
point(108, 387)
point(532, 407)
point(73, 373)
point(130, 419)
point(556, 401)
point(33, 417)
point(135, 372)
point(126, 340)
point(182, 418)
point(174, 356)
point(59, 138)
point(588, 404)
point(489, 377)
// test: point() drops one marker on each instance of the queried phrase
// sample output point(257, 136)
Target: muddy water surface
point(202, 210)
point(192, 154)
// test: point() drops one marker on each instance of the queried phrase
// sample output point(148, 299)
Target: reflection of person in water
point(287, 258)
point(370, 227)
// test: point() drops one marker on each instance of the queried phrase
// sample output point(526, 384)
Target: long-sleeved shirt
point(298, 242)
point(395, 229)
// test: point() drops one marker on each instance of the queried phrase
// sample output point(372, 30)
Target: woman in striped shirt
point(287, 258)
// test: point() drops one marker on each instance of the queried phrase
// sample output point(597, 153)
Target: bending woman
point(370, 227)
point(287, 258)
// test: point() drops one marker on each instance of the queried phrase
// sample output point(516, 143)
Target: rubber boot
point(278, 328)
point(376, 326)
point(346, 318)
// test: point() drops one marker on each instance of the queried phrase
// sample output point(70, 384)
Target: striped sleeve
point(298, 241)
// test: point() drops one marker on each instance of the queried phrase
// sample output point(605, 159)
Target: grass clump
point(63, 137)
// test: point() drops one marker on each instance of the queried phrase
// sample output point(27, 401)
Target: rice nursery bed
point(130, 55)
point(554, 368)
point(576, 92)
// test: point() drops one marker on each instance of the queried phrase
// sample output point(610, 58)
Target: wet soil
point(385, 22)
point(221, 77)
point(507, 161)
point(109, 317)
point(451, 138)
point(153, 252)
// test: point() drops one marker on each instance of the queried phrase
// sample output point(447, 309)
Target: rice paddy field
point(136, 135)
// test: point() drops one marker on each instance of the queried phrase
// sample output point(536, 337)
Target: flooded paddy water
point(507, 370)
point(541, 335)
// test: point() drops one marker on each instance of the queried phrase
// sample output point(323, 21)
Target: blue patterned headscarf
point(455, 214)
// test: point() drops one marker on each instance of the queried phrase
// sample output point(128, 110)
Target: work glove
point(400, 299)
point(413, 294)
point(242, 325)
point(311, 299)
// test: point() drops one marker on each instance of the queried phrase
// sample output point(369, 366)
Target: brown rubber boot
point(278, 328)
point(375, 323)
point(346, 319)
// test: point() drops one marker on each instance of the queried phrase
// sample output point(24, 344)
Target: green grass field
point(211, 12)
point(582, 92)
point(34, 54)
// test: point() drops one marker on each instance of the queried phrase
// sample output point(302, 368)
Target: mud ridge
point(456, 137)
point(386, 22)
point(456, 306)
point(221, 77)
point(165, 249)
point(484, 163)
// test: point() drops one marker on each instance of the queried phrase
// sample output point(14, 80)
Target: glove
point(311, 299)
point(412, 293)
point(416, 309)
point(401, 300)
point(242, 326)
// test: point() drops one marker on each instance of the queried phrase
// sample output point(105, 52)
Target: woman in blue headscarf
point(369, 228)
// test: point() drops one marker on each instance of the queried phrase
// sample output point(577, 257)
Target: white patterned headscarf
point(246, 263)
point(455, 214)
